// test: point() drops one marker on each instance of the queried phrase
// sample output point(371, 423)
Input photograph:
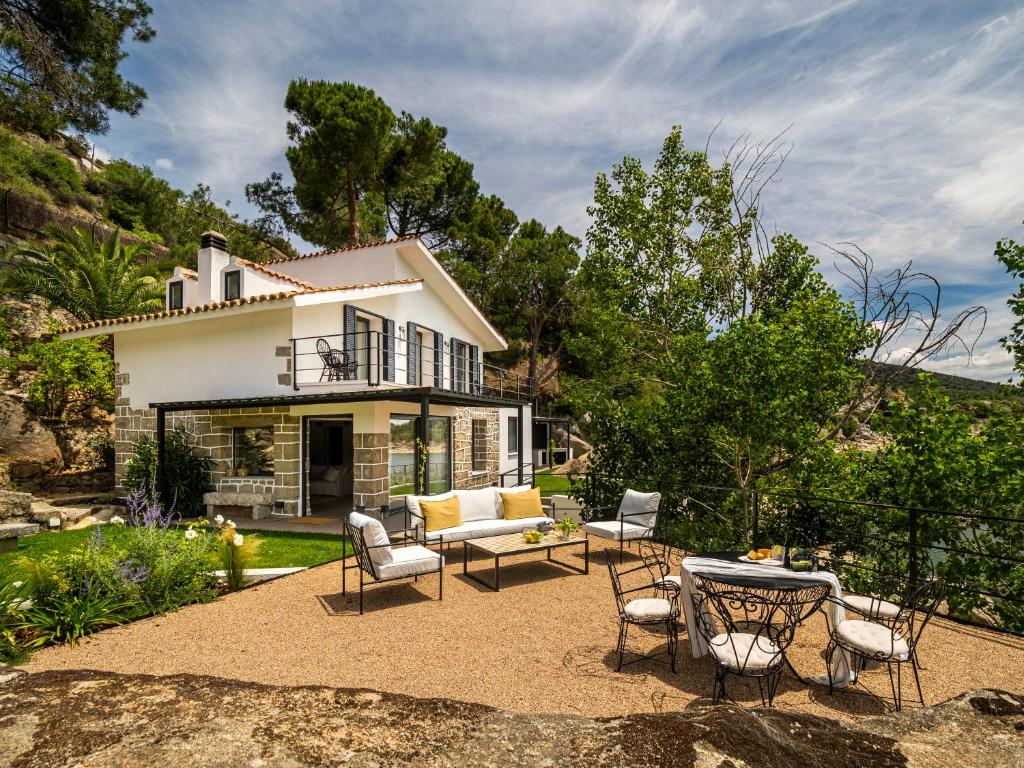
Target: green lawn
point(549, 483)
point(278, 549)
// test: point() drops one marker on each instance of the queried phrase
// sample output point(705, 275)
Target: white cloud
point(164, 163)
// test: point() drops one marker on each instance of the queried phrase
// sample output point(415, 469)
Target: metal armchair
point(337, 366)
point(653, 611)
point(635, 519)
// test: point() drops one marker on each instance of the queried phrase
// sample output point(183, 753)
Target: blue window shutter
point(389, 349)
point(412, 354)
point(349, 313)
point(439, 360)
point(474, 369)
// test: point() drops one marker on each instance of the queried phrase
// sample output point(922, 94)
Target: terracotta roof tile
point(196, 309)
point(328, 252)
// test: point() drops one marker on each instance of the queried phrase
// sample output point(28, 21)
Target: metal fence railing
point(873, 546)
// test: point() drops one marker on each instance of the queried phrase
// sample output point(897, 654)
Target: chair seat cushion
point(476, 529)
point(648, 609)
point(872, 606)
point(742, 651)
point(616, 530)
point(873, 639)
point(410, 561)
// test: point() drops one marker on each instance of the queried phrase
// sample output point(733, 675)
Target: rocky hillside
point(103, 719)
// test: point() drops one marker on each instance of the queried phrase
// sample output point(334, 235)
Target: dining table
point(727, 567)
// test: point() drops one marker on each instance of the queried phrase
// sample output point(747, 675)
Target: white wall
point(507, 463)
point(212, 357)
point(366, 265)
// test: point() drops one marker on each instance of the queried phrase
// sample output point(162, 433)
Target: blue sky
point(906, 119)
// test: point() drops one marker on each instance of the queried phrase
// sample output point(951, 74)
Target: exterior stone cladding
point(463, 474)
point(370, 470)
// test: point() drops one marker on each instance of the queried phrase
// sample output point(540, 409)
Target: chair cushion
point(615, 530)
point(477, 505)
point(742, 651)
point(476, 529)
point(413, 503)
point(331, 474)
point(648, 609)
point(872, 606)
point(642, 508)
point(516, 506)
point(871, 638)
point(441, 514)
point(374, 535)
point(410, 561)
point(500, 512)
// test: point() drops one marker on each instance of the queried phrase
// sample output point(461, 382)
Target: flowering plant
point(236, 553)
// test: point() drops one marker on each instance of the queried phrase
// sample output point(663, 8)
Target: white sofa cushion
point(410, 561)
point(743, 651)
point(331, 474)
point(648, 609)
point(500, 508)
point(413, 504)
point(477, 505)
point(477, 529)
point(640, 508)
point(872, 606)
point(374, 535)
point(871, 638)
point(616, 530)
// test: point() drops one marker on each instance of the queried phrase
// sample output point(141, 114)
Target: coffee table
point(514, 544)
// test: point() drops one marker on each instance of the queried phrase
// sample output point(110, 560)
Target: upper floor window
point(232, 285)
point(175, 295)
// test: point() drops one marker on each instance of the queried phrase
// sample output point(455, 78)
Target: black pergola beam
point(161, 456)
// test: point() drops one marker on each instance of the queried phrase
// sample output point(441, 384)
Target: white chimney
point(213, 257)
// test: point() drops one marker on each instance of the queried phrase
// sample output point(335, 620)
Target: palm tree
point(91, 279)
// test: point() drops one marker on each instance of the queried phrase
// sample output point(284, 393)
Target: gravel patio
point(544, 644)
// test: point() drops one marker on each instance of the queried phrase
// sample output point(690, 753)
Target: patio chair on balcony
point(748, 629)
point(889, 639)
point(660, 608)
point(382, 560)
point(635, 520)
point(337, 366)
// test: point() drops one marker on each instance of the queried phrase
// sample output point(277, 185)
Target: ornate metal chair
point(888, 638)
point(657, 561)
point(644, 612)
point(337, 366)
point(383, 560)
point(757, 626)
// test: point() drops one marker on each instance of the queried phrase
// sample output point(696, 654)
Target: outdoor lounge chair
point(636, 517)
point(889, 639)
point(649, 611)
point(382, 560)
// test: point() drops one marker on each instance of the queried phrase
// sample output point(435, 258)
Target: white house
point(311, 380)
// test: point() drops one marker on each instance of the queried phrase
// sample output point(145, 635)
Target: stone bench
point(261, 504)
point(9, 533)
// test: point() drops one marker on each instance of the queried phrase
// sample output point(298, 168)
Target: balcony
point(369, 359)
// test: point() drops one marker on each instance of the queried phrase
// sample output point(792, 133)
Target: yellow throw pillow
point(441, 514)
point(523, 504)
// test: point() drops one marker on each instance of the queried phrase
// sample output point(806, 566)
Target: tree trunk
point(353, 215)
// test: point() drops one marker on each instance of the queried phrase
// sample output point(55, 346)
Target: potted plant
point(566, 526)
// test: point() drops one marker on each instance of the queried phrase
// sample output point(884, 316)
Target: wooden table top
point(511, 543)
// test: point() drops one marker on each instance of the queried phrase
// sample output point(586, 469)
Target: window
point(175, 295)
point(479, 445)
point(362, 348)
point(232, 285)
point(403, 465)
point(513, 435)
point(252, 450)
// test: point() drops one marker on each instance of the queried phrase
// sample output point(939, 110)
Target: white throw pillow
point(477, 505)
point(635, 504)
point(499, 508)
point(413, 503)
point(331, 474)
point(374, 535)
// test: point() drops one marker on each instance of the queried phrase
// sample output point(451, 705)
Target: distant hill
point(960, 389)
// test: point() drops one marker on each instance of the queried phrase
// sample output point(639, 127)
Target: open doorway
point(330, 466)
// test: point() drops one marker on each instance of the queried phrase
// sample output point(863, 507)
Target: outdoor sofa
point(482, 515)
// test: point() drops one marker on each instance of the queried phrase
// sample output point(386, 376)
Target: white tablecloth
point(842, 675)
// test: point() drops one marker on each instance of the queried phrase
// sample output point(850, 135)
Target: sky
point(906, 120)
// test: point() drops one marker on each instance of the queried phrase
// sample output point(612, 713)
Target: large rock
point(28, 446)
point(102, 719)
point(15, 505)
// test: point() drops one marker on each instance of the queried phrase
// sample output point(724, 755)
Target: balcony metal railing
point(366, 361)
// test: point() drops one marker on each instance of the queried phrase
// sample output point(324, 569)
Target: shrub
point(188, 473)
point(12, 596)
point(236, 552)
point(69, 616)
point(69, 374)
point(40, 172)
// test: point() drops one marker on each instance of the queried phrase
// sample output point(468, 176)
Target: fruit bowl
point(532, 537)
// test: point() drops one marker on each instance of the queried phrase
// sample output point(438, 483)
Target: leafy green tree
point(532, 296)
point(1011, 254)
point(341, 135)
point(59, 62)
point(91, 279)
point(475, 246)
point(69, 375)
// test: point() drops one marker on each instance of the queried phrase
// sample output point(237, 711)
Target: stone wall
point(463, 474)
point(370, 470)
